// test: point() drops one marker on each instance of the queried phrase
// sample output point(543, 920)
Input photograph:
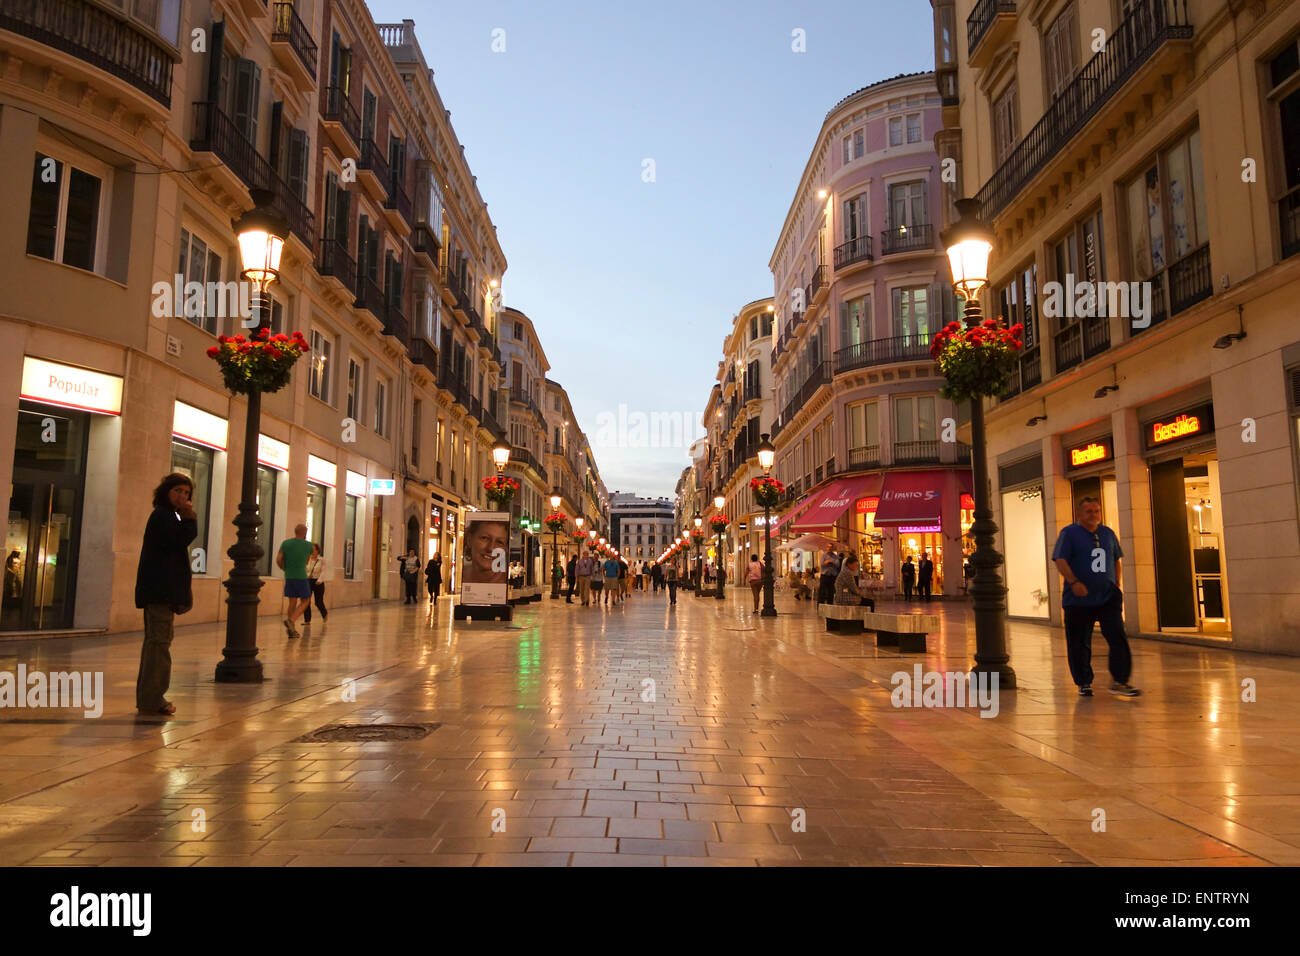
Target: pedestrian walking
point(1088, 554)
point(909, 578)
point(626, 576)
point(292, 559)
point(847, 589)
point(433, 577)
point(670, 579)
point(597, 579)
point(755, 577)
point(657, 577)
point(613, 586)
point(924, 577)
point(315, 571)
point(570, 577)
point(826, 585)
point(409, 567)
point(582, 571)
point(162, 587)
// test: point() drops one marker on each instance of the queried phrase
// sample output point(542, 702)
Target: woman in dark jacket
point(162, 587)
point(433, 576)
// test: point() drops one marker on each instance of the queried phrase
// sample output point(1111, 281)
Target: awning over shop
point(911, 498)
point(808, 542)
point(799, 506)
point(835, 499)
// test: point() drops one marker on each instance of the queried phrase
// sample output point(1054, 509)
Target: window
point(914, 128)
point(356, 384)
point(855, 321)
point(196, 463)
point(1060, 52)
point(1077, 257)
point(859, 143)
point(912, 314)
point(350, 538)
point(864, 426)
point(316, 498)
point(914, 419)
point(896, 131)
point(907, 205)
point(1284, 75)
point(199, 263)
point(415, 435)
point(381, 406)
point(845, 155)
point(1166, 208)
point(65, 221)
point(1019, 300)
point(267, 482)
point(1006, 124)
point(322, 371)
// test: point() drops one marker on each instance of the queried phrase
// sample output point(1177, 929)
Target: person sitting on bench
point(800, 587)
point(846, 585)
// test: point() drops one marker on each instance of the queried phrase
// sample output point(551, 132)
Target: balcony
point(992, 20)
point(916, 453)
point(946, 80)
point(852, 252)
point(426, 244)
point(292, 45)
point(864, 456)
point(370, 298)
point(899, 348)
point(819, 376)
point(88, 33)
point(1081, 340)
point(395, 323)
point(914, 238)
point(1179, 287)
point(963, 453)
point(398, 206)
point(1288, 214)
point(216, 133)
point(520, 397)
point(342, 122)
point(525, 459)
point(422, 353)
point(370, 160)
point(753, 391)
point(1139, 36)
point(335, 263)
point(1027, 373)
point(817, 284)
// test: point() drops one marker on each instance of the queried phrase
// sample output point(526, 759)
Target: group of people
point(608, 581)
point(918, 577)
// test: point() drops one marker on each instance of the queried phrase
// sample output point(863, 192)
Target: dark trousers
point(435, 587)
point(317, 593)
point(907, 590)
point(410, 580)
point(672, 592)
point(568, 597)
point(155, 659)
point(1078, 640)
point(923, 589)
point(826, 589)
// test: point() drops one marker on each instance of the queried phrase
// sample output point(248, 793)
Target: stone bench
point(482, 612)
point(525, 594)
point(907, 632)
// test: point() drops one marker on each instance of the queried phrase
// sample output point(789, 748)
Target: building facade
point(130, 161)
point(641, 528)
point(525, 371)
point(866, 446)
point(1165, 159)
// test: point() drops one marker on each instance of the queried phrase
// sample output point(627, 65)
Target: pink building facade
point(865, 443)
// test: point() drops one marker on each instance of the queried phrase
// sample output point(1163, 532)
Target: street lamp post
point(720, 502)
point(698, 521)
point(969, 242)
point(556, 498)
point(766, 456)
point(261, 233)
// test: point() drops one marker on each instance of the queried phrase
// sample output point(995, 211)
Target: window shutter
point(344, 199)
point(331, 210)
point(334, 60)
point(298, 152)
point(372, 256)
point(1295, 388)
point(216, 56)
point(363, 248)
point(277, 139)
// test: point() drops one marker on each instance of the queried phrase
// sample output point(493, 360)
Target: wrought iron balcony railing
point(369, 297)
point(290, 29)
point(1149, 25)
point(335, 261)
point(335, 107)
point(864, 456)
point(83, 30)
point(982, 17)
point(422, 353)
point(899, 348)
point(918, 237)
point(855, 250)
point(370, 157)
point(916, 453)
point(1081, 340)
point(399, 200)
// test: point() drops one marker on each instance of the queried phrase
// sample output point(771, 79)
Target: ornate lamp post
point(969, 242)
point(698, 536)
point(261, 233)
point(766, 456)
point(556, 498)
point(720, 502)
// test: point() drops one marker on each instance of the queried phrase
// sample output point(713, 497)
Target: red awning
point(835, 499)
point(911, 497)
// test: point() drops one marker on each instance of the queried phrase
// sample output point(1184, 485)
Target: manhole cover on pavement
point(366, 733)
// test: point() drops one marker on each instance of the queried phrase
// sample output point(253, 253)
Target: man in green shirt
point(292, 557)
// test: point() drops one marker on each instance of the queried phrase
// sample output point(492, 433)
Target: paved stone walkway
point(755, 726)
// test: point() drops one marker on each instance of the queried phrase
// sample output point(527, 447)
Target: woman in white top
point(316, 571)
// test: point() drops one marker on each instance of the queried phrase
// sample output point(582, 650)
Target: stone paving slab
point(765, 742)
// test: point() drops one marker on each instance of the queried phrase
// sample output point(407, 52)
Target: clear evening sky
point(633, 284)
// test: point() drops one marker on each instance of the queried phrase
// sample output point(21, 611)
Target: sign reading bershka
point(1188, 424)
point(1090, 453)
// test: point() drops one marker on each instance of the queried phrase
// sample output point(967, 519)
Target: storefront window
point(349, 538)
point(1025, 540)
point(266, 482)
point(869, 540)
point(196, 463)
point(316, 495)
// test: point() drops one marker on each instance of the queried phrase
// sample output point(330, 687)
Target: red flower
point(214, 351)
point(270, 349)
point(222, 338)
point(237, 338)
point(990, 323)
point(1017, 328)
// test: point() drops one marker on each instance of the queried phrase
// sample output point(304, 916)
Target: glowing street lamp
point(720, 502)
point(766, 458)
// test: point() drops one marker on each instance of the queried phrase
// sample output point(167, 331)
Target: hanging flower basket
point(976, 362)
point(719, 523)
point(262, 362)
point(556, 521)
point(768, 492)
point(500, 490)
point(579, 537)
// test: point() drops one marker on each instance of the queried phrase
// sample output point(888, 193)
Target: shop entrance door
point(1174, 596)
point(44, 526)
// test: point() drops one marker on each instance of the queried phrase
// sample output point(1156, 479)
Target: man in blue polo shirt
point(1087, 554)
